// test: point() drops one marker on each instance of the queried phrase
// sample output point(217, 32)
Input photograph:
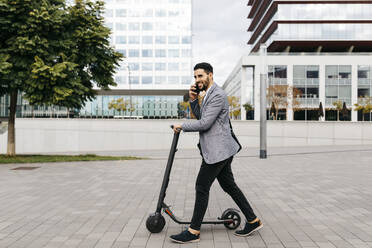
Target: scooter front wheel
point(155, 223)
point(233, 215)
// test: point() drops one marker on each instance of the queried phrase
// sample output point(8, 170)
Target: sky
point(220, 34)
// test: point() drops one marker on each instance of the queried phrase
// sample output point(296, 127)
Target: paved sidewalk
point(306, 197)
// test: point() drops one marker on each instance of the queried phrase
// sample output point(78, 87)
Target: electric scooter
point(230, 218)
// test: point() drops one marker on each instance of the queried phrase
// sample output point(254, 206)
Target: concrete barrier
point(90, 135)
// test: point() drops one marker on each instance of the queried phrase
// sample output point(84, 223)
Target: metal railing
point(278, 81)
point(338, 81)
point(308, 102)
point(329, 101)
point(306, 81)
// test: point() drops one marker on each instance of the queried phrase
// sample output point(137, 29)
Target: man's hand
point(192, 94)
point(177, 128)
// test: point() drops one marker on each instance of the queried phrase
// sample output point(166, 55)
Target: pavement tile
point(306, 197)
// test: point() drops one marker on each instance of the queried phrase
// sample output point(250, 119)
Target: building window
point(121, 26)
point(173, 80)
point(148, 13)
point(312, 72)
point(109, 25)
point(134, 79)
point(364, 72)
point(174, 13)
point(160, 40)
point(146, 53)
point(160, 53)
point(160, 13)
point(364, 90)
point(338, 85)
point(173, 67)
point(147, 26)
point(160, 80)
point(186, 53)
point(160, 66)
point(122, 51)
point(173, 40)
point(185, 66)
point(146, 39)
point(161, 26)
point(121, 13)
point(121, 39)
point(133, 13)
point(134, 26)
point(134, 39)
point(186, 80)
point(133, 53)
point(120, 80)
point(146, 80)
point(109, 13)
point(134, 66)
point(173, 53)
point(186, 40)
point(147, 67)
point(277, 74)
point(345, 71)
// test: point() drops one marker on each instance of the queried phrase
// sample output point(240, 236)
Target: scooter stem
point(168, 169)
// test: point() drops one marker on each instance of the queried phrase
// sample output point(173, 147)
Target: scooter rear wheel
point(155, 223)
point(234, 216)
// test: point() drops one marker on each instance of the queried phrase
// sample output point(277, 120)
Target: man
point(217, 146)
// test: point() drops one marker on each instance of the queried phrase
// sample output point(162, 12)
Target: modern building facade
point(155, 38)
point(319, 50)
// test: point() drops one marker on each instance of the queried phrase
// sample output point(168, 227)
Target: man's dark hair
point(205, 66)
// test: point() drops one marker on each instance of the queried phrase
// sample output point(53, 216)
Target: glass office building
point(155, 38)
point(319, 50)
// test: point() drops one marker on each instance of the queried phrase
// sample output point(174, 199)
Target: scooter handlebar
point(171, 126)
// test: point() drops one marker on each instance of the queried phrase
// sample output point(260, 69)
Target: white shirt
point(206, 93)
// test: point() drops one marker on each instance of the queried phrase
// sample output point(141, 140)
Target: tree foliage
point(54, 53)
point(364, 104)
point(121, 105)
point(281, 96)
point(338, 106)
point(234, 106)
point(248, 107)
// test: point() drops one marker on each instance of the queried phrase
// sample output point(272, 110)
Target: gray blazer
point(216, 141)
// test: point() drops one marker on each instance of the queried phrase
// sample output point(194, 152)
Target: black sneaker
point(249, 228)
point(185, 237)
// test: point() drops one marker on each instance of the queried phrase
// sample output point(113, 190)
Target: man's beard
point(205, 85)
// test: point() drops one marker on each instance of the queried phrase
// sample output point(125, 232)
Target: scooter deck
point(207, 221)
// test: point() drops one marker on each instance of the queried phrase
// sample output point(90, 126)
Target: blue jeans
point(207, 174)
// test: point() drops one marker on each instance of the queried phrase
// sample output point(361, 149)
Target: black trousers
point(207, 174)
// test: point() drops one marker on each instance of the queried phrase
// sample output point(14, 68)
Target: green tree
point(55, 52)
point(248, 107)
point(338, 105)
point(364, 104)
point(234, 106)
point(121, 105)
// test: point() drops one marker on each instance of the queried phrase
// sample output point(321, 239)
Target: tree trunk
point(338, 115)
point(11, 123)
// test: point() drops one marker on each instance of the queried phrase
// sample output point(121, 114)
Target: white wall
point(83, 135)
